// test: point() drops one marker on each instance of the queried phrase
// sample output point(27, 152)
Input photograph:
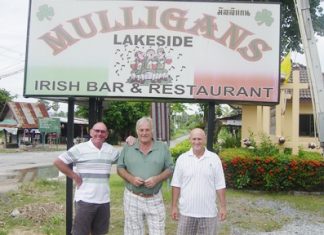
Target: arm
point(137, 181)
point(174, 203)
point(222, 212)
point(65, 169)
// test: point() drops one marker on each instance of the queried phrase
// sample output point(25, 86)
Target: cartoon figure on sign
point(161, 71)
point(150, 67)
point(137, 67)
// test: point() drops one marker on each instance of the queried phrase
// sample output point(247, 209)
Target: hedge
point(273, 174)
point(282, 172)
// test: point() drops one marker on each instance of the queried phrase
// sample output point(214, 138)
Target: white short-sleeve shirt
point(94, 167)
point(198, 180)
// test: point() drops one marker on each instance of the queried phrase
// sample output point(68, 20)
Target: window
point(306, 125)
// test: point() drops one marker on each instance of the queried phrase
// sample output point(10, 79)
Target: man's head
point(144, 129)
point(198, 139)
point(99, 133)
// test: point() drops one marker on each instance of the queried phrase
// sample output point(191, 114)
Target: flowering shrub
point(274, 174)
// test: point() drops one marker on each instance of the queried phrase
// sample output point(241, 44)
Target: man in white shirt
point(92, 162)
point(198, 180)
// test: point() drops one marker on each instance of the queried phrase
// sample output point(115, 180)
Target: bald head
point(197, 132)
point(197, 139)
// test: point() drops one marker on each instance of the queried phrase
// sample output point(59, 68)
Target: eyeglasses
point(99, 131)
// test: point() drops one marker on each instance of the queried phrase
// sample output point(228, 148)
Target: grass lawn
point(41, 206)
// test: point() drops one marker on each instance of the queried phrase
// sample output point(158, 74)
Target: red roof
point(22, 115)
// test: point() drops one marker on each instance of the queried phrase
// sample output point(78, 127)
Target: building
point(291, 122)
point(19, 122)
point(81, 129)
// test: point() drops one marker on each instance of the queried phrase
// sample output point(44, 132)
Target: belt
point(143, 194)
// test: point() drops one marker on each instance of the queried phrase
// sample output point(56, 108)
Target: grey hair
point(145, 120)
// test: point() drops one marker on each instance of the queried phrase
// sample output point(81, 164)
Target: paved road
point(25, 166)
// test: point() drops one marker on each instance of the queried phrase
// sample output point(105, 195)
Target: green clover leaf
point(264, 17)
point(45, 12)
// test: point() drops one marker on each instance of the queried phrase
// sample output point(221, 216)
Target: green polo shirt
point(145, 166)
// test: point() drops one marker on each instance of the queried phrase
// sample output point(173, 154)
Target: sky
point(13, 34)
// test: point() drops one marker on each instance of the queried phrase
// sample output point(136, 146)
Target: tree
point(120, 117)
point(5, 97)
point(290, 36)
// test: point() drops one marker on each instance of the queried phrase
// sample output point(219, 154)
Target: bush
point(180, 148)
point(274, 174)
point(235, 152)
point(309, 155)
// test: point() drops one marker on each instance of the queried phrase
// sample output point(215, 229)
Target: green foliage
point(242, 180)
point(227, 140)
point(229, 153)
point(290, 35)
point(264, 167)
point(177, 108)
point(309, 155)
point(120, 117)
point(231, 141)
point(195, 121)
point(280, 173)
point(180, 148)
point(182, 122)
point(287, 151)
point(4, 97)
point(266, 147)
point(290, 31)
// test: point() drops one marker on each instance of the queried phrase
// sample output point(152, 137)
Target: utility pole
point(313, 63)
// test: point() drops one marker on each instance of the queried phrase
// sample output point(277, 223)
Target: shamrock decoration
point(264, 17)
point(45, 12)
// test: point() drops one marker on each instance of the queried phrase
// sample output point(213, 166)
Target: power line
point(10, 66)
point(11, 73)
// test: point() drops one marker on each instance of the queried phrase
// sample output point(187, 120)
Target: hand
point(222, 213)
point(174, 213)
point(77, 179)
point(137, 181)
point(130, 140)
point(150, 182)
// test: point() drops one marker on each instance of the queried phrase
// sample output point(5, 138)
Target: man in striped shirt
point(92, 162)
point(198, 180)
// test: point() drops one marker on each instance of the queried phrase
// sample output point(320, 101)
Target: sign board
point(49, 125)
point(190, 51)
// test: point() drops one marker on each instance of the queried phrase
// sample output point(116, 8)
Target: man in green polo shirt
point(144, 166)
